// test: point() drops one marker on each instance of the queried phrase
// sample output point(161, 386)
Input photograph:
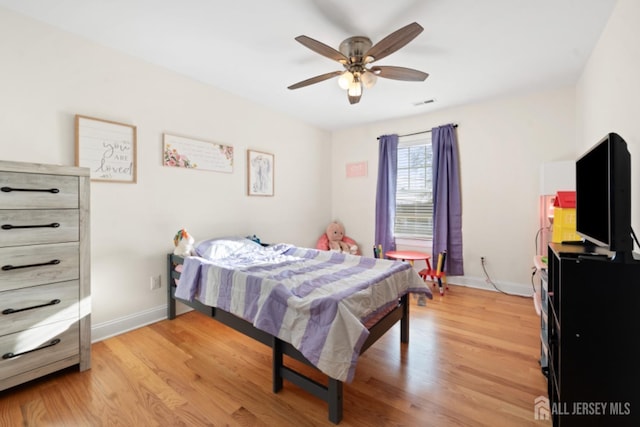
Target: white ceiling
point(473, 50)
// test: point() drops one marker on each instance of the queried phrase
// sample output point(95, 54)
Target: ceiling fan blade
point(322, 49)
point(399, 73)
point(316, 79)
point(394, 41)
point(354, 99)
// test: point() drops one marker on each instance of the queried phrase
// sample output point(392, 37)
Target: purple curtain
point(386, 192)
point(447, 205)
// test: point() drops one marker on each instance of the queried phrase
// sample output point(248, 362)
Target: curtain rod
point(417, 133)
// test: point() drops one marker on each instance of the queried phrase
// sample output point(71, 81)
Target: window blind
point(414, 193)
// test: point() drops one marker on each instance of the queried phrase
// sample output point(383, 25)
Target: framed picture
point(260, 173)
point(107, 148)
point(356, 169)
point(182, 152)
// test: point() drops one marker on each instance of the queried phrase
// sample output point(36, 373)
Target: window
point(414, 193)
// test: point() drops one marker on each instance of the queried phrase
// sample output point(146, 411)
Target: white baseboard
point(480, 283)
point(119, 326)
point(124, 324)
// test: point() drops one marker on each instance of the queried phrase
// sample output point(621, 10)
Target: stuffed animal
point(183, 244)
point(337, 241)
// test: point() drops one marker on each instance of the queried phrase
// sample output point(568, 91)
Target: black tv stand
point(585, 245)
point(595, 257)
point(593, 317)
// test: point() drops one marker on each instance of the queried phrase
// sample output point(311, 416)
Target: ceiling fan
point(357, 54)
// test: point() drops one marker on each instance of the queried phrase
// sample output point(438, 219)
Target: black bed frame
point(332, 392)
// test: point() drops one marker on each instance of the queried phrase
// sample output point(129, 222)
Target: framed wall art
point(182, 152)
point(107, 148)
point(357, 169)
point(260, 171)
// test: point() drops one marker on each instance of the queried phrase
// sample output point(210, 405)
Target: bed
point(319, 307)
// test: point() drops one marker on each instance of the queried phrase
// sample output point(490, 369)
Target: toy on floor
point(334, 239)
point(183, 242)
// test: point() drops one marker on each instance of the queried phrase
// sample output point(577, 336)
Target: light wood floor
point(472, 360)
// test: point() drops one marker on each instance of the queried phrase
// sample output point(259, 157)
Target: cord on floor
point(488, 280)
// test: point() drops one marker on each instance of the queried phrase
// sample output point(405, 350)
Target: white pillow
point(224, 247)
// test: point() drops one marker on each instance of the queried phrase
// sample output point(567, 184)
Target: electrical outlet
point(154, 282)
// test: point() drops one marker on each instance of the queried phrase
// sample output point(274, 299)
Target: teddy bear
point(183, 242)
point(337, 241)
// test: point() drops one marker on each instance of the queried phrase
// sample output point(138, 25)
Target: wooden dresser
point(45, 286)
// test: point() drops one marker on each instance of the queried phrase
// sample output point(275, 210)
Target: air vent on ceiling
point(428, 101)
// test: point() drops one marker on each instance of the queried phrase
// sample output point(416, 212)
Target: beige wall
point(47, 76)
point(608, 92)
point(502, 144)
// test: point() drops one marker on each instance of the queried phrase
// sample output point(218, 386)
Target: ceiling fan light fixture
point(345, 80)
point(369, 79)
point(355, 88)
point(356, 54)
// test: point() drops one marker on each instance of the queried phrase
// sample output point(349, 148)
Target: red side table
point(410, 256)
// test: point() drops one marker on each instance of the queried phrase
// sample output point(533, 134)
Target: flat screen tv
point(603, 196)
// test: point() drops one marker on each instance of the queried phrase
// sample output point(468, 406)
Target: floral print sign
point(190, 153)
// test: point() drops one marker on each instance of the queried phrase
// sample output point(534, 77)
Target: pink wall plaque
point(356, 169)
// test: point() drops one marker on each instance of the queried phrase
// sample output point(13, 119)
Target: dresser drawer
point(25, 266)
point(32, 227)
point(37, 347)
point(38, 191)
point(23, 308)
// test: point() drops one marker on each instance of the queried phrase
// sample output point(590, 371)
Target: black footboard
point(332, 392)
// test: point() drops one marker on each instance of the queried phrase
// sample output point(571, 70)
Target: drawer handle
point(12, 355)
point(41, 190)
point(18, 310)
point(15, 267)
point(11, 227)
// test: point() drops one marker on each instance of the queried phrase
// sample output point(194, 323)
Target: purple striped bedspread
point(318, 301)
